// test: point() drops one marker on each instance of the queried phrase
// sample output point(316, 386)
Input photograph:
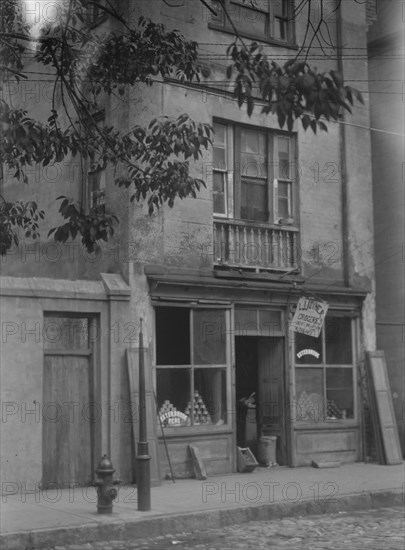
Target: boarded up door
point(271, 392)
point(68, 404)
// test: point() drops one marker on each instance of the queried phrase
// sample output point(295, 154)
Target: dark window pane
point(209, 337)
point(220, 146)
point(283, 207)
point(308, 350)
point(270, 322)
point(339, 393)
point(210, 396)
point(248, 19)
point(245, 321)
point(173, 395)
point(218, 193)
point(172, 336)
point(253, 154)
point(254, 201)
point(219, 15)
point(280, 8)
point(283, 157)
point(309, 394)
point(338, 340)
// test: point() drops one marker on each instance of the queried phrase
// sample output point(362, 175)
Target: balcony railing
point(255, 246)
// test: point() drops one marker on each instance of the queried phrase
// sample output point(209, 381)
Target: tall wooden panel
point(386, 427)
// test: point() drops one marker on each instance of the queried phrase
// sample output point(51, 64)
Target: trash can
point(266, 454)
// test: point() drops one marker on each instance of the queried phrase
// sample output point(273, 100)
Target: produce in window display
point(201, 414)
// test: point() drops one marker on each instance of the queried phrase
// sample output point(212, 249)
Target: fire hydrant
point(106, 492)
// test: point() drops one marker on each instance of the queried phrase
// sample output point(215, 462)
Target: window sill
point(251, 223)
point(265, 39)
point(192, 431)
point(301, 425)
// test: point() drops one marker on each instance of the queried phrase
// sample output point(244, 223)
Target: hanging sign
point(309, 316)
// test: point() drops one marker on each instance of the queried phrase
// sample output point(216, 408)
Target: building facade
point(386, 69)
point(215, 279)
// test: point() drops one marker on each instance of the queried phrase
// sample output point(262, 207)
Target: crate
point(246, 460)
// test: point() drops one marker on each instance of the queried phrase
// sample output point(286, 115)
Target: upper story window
point(259, 19)
point(253, 174)
point(94, 14)
point(95, 176)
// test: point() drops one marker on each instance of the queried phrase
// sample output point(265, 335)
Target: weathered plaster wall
point(23, 303)
point(386, 73)
point(44, 257)
point(336, 226)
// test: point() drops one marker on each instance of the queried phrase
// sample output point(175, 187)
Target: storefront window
point(309, 391)
point(172, 336)
point(195, 394)
point(339, 393)
point(209, 396)
point(338, 341)
point(325, 392)
point(209, 337)
point(308, 350)
point(173, 395)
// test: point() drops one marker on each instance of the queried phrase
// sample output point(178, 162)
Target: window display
point(193, 394)
point(325, 392)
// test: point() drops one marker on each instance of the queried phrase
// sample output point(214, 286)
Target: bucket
point(267, 450)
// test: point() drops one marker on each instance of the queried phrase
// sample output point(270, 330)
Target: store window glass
point(326, 392)
point(209, 396)
point(309, 394)
point(308, 350)
point(195, 393)
point(339, 393)
point(172, 336)
point(209, 337)
point(338, 340)
point(173, 395)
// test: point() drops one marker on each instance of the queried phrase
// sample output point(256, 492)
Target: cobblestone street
point(371, 529)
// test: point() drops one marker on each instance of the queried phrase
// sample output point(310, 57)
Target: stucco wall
point(23, 303)
point(386, 72)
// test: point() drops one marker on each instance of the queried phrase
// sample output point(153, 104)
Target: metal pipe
point(143, 457)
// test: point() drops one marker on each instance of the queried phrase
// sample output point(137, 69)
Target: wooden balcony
point(255, 246)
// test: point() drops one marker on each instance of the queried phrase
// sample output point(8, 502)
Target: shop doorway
point(260, 399)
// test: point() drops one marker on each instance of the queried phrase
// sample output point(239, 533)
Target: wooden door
point(68, 404)
point(271, 392)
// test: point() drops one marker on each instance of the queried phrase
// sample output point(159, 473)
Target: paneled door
point(69, 409)
point(271, 392)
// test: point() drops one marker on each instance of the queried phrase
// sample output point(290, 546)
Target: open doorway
point(260, 371)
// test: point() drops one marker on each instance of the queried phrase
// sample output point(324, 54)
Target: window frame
point(234, 176)
point(96, 180)
point(224, 25)
point(208, 428)
point(323, 367)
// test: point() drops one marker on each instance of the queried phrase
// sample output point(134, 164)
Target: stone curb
point(42, 539)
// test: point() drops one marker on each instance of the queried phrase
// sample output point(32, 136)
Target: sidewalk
point(50, 518)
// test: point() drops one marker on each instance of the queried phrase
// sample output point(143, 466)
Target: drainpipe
point(343, 168)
